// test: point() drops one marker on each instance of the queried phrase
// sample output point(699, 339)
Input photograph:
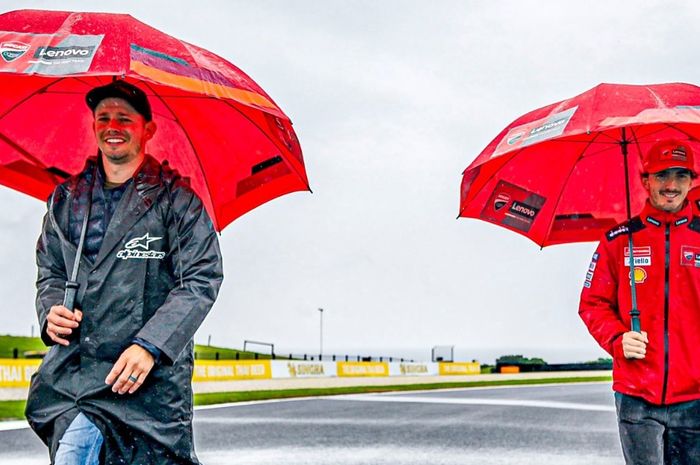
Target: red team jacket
point(667, 257)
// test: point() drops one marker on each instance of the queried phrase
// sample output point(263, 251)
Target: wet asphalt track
point(568, 424)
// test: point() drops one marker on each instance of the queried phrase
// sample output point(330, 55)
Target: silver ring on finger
point(133, 378)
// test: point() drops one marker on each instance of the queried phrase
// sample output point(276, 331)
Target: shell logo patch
point(640, 275)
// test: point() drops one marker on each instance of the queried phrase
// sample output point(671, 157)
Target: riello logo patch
point(10, 51)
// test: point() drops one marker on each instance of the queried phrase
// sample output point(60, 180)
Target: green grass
point(225, 397)
point(14, 409)
point(209, 353)
point(21, 343)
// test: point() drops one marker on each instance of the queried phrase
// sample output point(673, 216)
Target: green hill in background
point(21, 343)
point(26, 345)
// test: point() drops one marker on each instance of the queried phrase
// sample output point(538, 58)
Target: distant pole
point(320, 352)
point(209, 340)
point(32, 330)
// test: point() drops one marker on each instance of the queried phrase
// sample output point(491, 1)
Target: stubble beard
point(661, 204)
point(122, 158)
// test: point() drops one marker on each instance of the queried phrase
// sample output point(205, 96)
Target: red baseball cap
point(669, 154)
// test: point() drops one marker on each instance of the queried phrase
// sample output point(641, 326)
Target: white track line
point(387, 397)
point(476, 401)
point(22, 424)
point(13, 425)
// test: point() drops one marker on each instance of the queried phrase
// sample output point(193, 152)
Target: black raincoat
point(156, 276)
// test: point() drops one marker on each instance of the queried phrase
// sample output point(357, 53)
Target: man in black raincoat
point(150, 269)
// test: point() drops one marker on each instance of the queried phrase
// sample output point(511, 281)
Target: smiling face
point(668, 188)
point(121, 131)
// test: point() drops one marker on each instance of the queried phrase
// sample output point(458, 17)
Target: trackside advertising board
point(460, 368)
point(351, 369)
point(229, 370)
point(413, 369)
point(18, 372)
point(303, 369)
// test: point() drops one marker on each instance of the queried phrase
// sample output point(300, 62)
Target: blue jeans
point(658, 434)
point(80, 444)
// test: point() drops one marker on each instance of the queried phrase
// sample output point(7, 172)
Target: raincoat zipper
point(666, 308)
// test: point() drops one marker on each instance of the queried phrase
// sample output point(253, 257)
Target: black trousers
point(658, 435)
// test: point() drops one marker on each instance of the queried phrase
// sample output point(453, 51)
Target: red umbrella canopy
point(215, 124)
point(557, 174)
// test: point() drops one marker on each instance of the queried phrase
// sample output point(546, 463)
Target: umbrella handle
point(634, 313)
point(70, 294)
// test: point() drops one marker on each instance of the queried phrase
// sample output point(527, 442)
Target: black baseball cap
point(123, 90)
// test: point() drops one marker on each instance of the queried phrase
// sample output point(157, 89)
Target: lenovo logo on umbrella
point(63, 53)
point(524, 209)
point(10, 51)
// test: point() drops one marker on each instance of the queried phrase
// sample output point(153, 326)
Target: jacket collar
point(656, 217)
point(146, 176)
point(137, 200)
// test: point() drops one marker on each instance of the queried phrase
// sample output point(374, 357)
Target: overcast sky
point(391, 100)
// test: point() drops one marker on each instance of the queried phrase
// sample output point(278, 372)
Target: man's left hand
point(131, 370)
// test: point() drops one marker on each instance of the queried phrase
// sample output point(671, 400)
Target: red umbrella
point(557, 174)
point(569, 171)
point(215, 125)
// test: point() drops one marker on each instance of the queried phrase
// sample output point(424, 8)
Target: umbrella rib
point(635, 140)
point(568, 176)
point(268, 138)
point(43, 90)
point(194, 150)
point(513, 155)
point(194, 60)
point(22, 151)
point(38, 91)
point(685, 133)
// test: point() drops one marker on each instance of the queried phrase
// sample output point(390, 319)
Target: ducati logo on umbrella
point(10, 51)
point(501, 201)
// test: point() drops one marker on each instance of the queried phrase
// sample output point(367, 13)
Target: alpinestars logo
point(10, 51)
point(129, 251)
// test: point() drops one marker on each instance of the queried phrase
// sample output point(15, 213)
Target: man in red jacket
point(656, 372)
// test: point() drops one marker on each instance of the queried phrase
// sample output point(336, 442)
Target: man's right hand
point(634, 344)
point(61, 322)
